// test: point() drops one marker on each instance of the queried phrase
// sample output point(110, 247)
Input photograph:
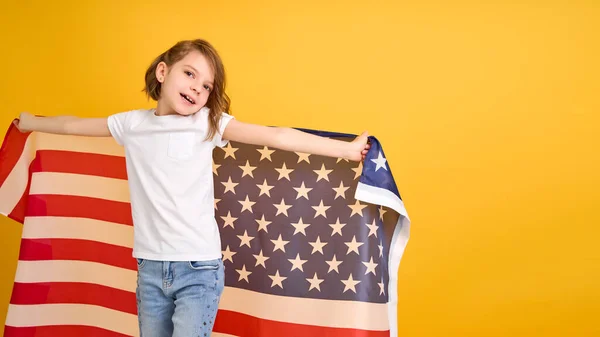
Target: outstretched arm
point(64, 125)
point(294, 140)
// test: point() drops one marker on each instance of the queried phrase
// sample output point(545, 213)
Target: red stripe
point(74, 292)
point(235, 323)
point(80, 163)
point(11, 150)
point(78, 250)
point(80, 207)
point(59, 330)
point(18, 212)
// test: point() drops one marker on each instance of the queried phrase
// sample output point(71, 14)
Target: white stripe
point(47, 227)
point(341, 314)
point(79, 185)
point(381, 196)
point(217, 334)
point(97, 145)
point(72, 314)
point(15, 184)
point(76, 271)
point(332, 313)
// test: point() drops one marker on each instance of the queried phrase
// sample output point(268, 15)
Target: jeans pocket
point(140, 263)
point(204, 265)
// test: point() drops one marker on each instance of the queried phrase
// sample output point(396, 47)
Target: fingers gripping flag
point(311, 244)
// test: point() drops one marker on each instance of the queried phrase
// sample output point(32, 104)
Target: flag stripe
point(77, 250)
point(83, 207)
point(299, 310)
point(12, 151)
point(79, 185)
point(95, 145)
point(71, 314)
point(46, 227)
point(82, 163)
point(247, 326)
point(60, 330)
point(14, 179)
point(368, 316)
point(76, 271)
point(74, 292)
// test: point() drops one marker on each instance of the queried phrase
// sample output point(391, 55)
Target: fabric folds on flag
point(311, 245)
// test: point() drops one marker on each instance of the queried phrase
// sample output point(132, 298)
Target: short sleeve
point(118, 124)
point(218, 139)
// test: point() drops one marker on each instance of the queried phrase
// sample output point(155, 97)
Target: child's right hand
point(24, 121)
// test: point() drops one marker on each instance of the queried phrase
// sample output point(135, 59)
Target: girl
point(168, 152)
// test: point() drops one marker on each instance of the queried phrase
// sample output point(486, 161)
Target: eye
point(189, 73)
point(207, 88)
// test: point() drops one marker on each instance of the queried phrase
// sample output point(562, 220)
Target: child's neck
point(162, 109)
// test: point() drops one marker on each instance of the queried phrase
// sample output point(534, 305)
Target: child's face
point(187, 83)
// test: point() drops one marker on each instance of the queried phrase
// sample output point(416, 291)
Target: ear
point(161, 72)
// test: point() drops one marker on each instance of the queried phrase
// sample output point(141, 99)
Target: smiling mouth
point(188, 98)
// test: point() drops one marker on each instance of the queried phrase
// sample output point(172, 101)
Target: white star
point(247, 169)
point(317, 245)
point(350, 284)
point(358, 170)
point(370, 267)
point(302, 191)
point(303, 157)
point(243, 274)
point(277, 280)
point(279, 244)
point(380, 250)
point(265, 153)
point(228, 254)
point(321, 209)
point(337, 227)
point(300, 227)
point(216, 201)
point(380, 161)
point(322, 173)
point(215, 167)
point(353, 246)
point(315, 283)
point(265, 189)
point(340, 191)
point(333, 265)
point(282, 208)
point(262, 224)
point(297, 263)
point(245, 239)
point(228, 220)
point(284, 172)
point(357, 208)
point(229, 150)
point(247, 205)
point(381, 288)
point(381, 212)
point(229, 186)
point(372, 228)
point(340, 159)
point(260, 259)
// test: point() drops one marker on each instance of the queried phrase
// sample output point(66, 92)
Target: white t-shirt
point(169, 169)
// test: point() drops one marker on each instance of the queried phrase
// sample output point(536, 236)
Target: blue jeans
point(178, 299)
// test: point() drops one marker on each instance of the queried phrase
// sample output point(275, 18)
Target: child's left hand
point(359, 147)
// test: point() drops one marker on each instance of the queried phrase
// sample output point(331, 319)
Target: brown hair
point(218, 101)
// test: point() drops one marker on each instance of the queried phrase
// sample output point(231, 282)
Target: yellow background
point(487, 113)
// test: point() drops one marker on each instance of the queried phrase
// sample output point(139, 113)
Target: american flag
point(311, 244)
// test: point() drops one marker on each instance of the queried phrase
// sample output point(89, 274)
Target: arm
point(64, 125)
point(294, 140)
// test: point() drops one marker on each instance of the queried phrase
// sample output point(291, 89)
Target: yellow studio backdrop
point(488, 114)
